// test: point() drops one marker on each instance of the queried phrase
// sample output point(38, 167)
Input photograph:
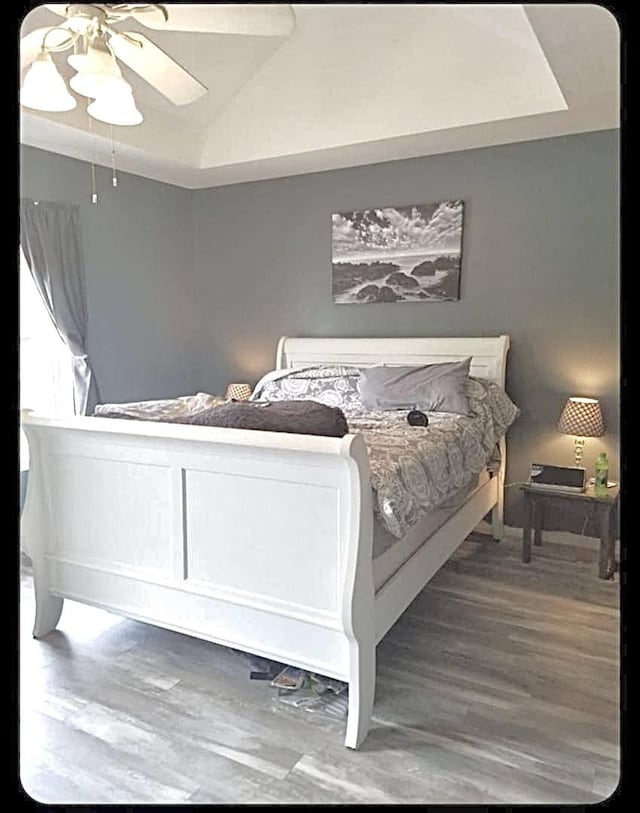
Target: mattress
point(390, 553)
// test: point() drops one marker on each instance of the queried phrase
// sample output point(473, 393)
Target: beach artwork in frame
point(406, 253)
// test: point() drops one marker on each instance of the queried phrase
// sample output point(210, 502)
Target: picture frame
point(408, 253)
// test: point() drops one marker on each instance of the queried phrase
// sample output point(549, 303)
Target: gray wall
point(540, 263)
point(190, 290)
point(138, 250)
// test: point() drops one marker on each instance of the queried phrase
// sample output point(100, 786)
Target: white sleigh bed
point(260, 541)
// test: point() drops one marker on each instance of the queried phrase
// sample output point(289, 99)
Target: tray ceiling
point(356, 84)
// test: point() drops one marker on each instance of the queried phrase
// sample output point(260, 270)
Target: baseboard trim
point(555, 537)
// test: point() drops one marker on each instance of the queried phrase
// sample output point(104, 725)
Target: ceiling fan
point(94, 31)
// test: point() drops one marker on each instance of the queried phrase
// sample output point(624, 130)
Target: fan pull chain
point(114, 177)
point(94, 194)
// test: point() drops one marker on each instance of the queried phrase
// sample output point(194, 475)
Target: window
point(46, 377)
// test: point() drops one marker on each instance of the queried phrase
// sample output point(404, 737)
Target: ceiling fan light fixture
point(97, 71)
point(116, 107)
point(80, 23)
point(44, 87)
point(96, 59)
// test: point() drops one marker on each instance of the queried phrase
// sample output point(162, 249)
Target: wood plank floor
point(499, 684)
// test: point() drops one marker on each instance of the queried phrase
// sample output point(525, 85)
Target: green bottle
point(602, 475)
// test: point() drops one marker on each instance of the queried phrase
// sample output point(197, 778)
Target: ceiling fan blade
point(259, 19)
point(31, 44)
point(157, 68)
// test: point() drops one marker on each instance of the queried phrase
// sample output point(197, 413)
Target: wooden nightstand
point(537, 497)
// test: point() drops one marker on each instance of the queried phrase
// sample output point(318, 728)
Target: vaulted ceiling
point(355, 84)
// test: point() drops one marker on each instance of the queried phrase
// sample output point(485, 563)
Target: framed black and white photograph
point(406, 253)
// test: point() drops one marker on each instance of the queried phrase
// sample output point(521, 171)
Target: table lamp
point(238, 392)
point(581, 417)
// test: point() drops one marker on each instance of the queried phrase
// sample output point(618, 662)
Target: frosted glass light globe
point(44, 87)
point(97, 71)
point(116, 107)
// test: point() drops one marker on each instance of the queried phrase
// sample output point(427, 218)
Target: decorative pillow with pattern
point(335, 386)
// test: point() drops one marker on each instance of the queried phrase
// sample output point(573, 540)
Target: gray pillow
point(432, 387)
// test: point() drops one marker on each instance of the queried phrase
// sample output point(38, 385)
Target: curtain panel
point(52, 245)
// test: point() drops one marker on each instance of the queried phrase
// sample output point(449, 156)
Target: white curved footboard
point(260, 541)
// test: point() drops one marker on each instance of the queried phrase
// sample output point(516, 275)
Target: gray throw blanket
point(298, 417)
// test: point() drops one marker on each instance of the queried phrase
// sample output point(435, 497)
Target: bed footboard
point(256, 540)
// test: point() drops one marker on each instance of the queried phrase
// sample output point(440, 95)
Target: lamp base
point(577, 451)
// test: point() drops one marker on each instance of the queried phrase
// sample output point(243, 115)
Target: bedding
point(414, 469)
point(162, 410)
point(389, 553)
point(430, 387)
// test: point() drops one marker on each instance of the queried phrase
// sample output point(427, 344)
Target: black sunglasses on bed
point(417, 418)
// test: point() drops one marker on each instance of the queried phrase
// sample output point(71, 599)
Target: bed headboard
point(488, 355)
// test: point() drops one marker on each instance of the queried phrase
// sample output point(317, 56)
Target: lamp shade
point(582, 417)
point(238, 392)
point(116, 106)
point(97, 72)
point(44, 88)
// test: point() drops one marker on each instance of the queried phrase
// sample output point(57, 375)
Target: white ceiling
point(355, 84)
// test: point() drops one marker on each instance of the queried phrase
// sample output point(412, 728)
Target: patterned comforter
point(413, 468)
point(166, 409)
point(417, 468)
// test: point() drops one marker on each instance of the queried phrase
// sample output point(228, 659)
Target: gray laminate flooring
point(499, 684)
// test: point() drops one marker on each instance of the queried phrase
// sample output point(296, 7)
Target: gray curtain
point(51, 242)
